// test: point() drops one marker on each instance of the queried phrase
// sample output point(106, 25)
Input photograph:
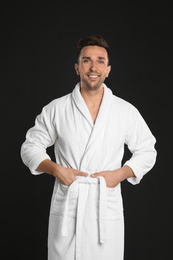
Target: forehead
point(94, 51)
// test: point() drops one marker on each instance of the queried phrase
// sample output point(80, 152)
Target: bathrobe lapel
point(100, 128)
point(81, 105)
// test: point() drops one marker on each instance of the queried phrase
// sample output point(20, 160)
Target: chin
point(92, 86)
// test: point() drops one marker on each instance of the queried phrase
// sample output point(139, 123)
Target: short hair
point(93, 40)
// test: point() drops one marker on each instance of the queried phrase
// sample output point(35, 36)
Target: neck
point(92, 97)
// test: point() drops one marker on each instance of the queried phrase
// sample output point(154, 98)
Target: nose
point(93, 66)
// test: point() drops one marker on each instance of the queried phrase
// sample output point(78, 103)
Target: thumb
point(95, 175)
point(79, 173)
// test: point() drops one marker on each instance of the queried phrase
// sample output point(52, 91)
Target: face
point(93, 67)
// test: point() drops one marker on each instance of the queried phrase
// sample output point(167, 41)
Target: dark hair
point(92, 40)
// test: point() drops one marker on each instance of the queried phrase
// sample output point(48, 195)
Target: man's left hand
point(113, 178)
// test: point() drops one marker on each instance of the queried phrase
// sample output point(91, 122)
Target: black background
point(37, 58)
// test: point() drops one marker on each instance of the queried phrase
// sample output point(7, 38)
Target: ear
point(108, 70)
point(77, 69)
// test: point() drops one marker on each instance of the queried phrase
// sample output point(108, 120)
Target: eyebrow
point(89, 58)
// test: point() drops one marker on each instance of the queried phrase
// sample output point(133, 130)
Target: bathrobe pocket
point(60, 198)
point(114, 204)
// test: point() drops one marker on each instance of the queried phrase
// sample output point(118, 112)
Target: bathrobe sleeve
point(140, 142)
point(38, 138)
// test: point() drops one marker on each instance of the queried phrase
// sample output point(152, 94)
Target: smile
point(91, 76)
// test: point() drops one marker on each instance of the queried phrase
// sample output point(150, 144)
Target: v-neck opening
point(83, 108)
point(93, 122)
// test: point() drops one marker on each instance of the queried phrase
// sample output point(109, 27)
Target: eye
point(101, 62)
point(86, 61)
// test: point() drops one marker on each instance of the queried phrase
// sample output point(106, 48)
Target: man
point(88, 129)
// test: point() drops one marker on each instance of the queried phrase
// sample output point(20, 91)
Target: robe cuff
point(137, 172)
point(35, 162)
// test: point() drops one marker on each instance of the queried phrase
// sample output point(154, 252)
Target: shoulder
point(58, 103)
point(124, 105)
point(56, 107)
point(126, 111)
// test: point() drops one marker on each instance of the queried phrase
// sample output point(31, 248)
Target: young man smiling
point(93, 66)
point(88, 129)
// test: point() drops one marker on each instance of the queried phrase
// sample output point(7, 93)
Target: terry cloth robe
point(86, 219)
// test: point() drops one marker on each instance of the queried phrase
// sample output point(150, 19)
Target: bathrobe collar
point(104, 107)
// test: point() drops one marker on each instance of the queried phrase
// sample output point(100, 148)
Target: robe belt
point(102, 205)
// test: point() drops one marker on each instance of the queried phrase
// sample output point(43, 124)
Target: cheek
point(82, 70)
point(105, 73)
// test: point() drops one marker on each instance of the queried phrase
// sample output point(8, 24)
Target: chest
point(75, 133)
point(94, 112)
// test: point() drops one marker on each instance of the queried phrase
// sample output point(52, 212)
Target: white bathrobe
point(86, 218)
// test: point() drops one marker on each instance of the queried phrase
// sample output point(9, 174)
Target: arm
point(141, 143)
point(33, 150)
point(38, 138)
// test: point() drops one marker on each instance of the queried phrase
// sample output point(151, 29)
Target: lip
point(93, 76)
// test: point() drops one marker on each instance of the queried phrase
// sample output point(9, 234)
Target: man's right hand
point(65, 175)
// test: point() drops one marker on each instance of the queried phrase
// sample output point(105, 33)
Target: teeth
point(93, 76)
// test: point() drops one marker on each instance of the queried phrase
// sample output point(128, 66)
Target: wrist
point(56, 169)
point(127, 172)
point(50, 167)
point(123, 173)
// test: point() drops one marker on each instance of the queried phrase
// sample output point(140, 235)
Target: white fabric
point(102, 206)
point(86, 221)
point(80, 144)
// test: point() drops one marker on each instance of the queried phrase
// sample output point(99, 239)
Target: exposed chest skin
point(94, 112)
point(93, 100)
